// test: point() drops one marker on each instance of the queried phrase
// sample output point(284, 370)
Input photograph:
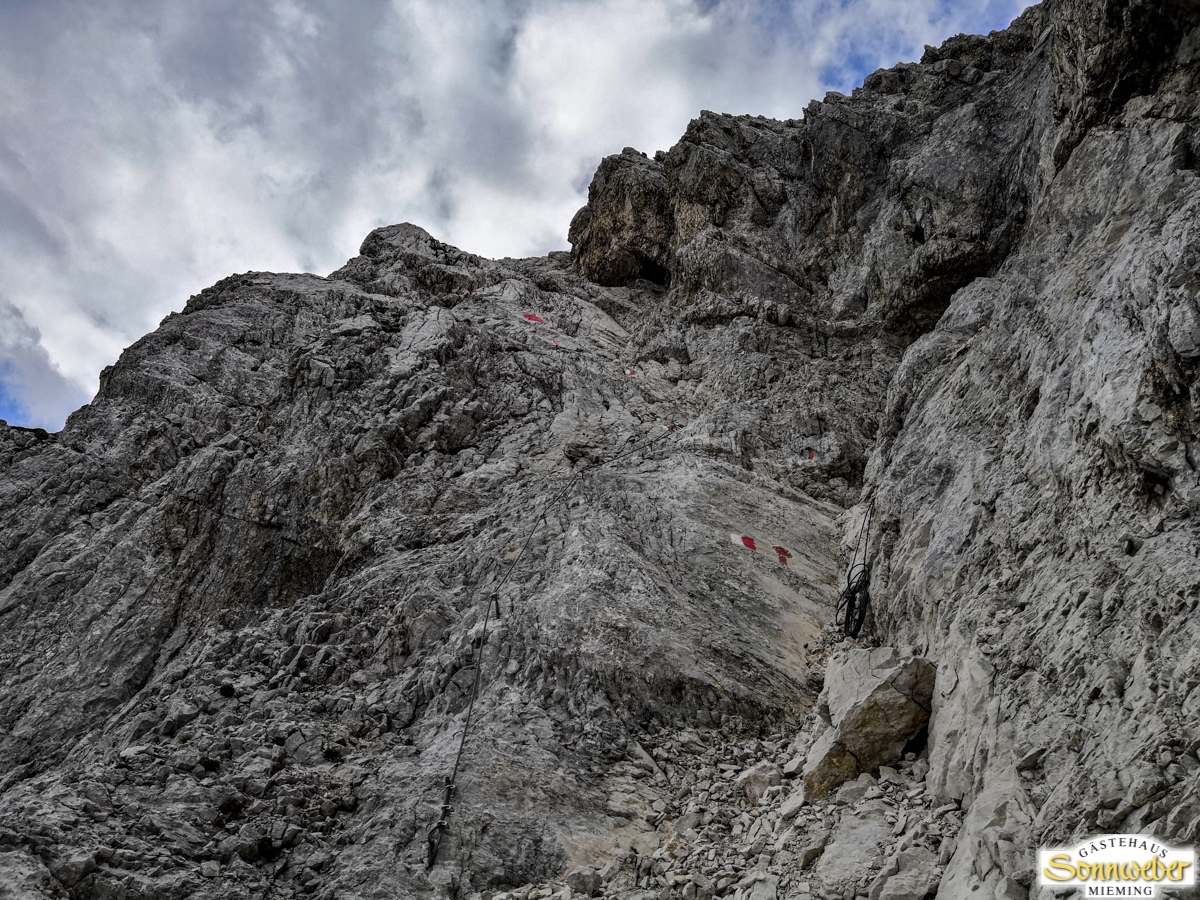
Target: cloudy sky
point(151, 147)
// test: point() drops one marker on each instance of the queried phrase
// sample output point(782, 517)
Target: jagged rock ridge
point(241, 591)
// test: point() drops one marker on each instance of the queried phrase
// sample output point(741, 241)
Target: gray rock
point(610, 869)
point(73, 866)
point(875, 702)
point(585, 880)
point(756, 780)
point(792, 805)
point(765, 889)
point(909, 875)
point(1184, 330)
point(794, 766)
point(965, 294)
point(24, 877)
point(853, 791)
point(624, 233)
point(813, 846)
point(855, 848)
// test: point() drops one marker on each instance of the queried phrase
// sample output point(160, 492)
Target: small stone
point(793, 804)
point(210, 869)
point(756, 780)
point(612, 867)
point(585, 880)
point(909, 875)
point(853, 791)
point(1031, 760)
point(71, 868)
point(793, 766)
point(765, 889)
point(813, 847)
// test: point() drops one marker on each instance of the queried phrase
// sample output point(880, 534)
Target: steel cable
point(852, 603)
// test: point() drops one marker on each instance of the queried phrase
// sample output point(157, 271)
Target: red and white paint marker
point(783, 554)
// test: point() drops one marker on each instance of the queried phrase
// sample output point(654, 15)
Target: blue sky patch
point(10, 410)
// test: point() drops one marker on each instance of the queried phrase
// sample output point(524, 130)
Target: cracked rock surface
point(243, 592)
point(874, 703)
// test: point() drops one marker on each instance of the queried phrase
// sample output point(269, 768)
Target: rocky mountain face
point(243, 593)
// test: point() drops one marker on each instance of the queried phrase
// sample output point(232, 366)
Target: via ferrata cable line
point(434, 837)
point(856, 597)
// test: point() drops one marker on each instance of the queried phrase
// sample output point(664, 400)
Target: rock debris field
point(243, 592)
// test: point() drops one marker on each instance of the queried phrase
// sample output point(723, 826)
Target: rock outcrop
point(874, 704)
point(243, 593)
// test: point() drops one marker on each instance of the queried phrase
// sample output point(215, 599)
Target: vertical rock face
point(243, 592)
point(624, 232)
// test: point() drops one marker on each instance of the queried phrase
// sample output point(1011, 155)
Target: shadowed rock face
point(242, 592)
point(624, 232)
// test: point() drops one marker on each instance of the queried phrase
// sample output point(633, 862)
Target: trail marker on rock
point(783, 554)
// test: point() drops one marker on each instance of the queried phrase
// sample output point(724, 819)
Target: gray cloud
point(151, 148)
point(31, 387)
point(22, 224)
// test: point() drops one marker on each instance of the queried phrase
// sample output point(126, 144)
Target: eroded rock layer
point(243, 592)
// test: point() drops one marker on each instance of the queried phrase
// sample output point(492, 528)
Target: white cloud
point(147, 150)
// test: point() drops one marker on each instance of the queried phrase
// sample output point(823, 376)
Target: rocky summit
point(571, 531)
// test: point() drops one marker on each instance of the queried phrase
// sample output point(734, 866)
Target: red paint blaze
point(532, 318)
point(811, 454)
point(748, 542)
point(783, 554)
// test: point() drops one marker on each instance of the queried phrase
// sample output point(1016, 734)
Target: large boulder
point(624, 233)
point(875, 702)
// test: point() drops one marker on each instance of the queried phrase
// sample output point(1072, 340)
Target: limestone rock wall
point(1036, 493)
point(242, 592)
